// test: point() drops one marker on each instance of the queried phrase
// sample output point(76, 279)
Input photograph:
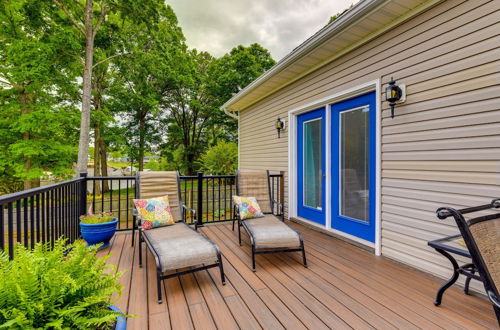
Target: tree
point(157, 56)
point(87, 20)
point(37, 119)
point(221, 159)
point(195, 119)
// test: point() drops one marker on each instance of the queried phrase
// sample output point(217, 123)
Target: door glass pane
point(312, 163)
point(354, 160)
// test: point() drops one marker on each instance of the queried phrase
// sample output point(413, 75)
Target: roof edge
point(347, 18)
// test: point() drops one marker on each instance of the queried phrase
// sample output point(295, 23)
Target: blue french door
point(353, 166)
point(311, 165)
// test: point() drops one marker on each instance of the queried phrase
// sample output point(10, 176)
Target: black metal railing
point(47, 213)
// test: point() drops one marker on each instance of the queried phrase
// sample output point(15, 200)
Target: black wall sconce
point(393, 94)
point(280, 125)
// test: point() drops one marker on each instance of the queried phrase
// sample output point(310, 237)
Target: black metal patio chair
point(482, 237)
point(176, 247)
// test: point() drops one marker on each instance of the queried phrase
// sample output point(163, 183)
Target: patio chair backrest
point(255, 183)
point(486, 235)
point(153, 184)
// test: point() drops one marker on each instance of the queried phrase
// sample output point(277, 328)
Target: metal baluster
point(32, 221)
point(10, 229)
point(102, 196)
point(119, 204)
point(110, 195)
point(18, 221)
point(2, 223)
point(95, 183)
point(52, 217)
point(38, 217)
point(127, 203)
point(218, 181)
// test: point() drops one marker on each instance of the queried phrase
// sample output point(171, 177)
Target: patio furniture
point(268, 234)
point(448, 246)
point(482, 237)
point(174, 247)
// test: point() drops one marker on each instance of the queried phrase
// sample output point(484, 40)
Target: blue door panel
point(352, 226)
point(311, 213)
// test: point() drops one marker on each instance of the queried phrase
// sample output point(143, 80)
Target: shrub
point(56, 289)
point(221, 159)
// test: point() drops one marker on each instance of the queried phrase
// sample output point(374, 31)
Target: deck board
point(344, 287)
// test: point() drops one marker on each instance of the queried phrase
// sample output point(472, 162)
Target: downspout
point(232, 115)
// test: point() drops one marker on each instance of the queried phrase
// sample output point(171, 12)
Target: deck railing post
point(281, 181)
point(83, 194)
point(199, 210)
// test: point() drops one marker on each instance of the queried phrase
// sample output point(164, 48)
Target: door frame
point(326, 102)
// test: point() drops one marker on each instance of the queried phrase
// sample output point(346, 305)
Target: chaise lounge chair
point(268, 234)
point(482, 237)
point(176, 246)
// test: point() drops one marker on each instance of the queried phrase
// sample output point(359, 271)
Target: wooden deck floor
point(344, 287)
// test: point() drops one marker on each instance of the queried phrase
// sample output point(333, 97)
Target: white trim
point(239, 149)
point(378, 169)
point(328, 168)
point(326, 102)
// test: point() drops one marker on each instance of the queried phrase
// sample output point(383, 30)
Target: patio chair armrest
point(193, 212)
point(494, 299)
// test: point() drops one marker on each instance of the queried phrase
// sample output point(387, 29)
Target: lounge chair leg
point(221, 269)
point(140, 252)
point(158, 280)
point(233, 224)
point(239, 233)
point(303, 254)
point(497, 312)
point(253, 258)
point(133, 231)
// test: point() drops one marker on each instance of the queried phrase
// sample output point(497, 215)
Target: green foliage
point(221, 159)
point(44, 288)
point(92, 219)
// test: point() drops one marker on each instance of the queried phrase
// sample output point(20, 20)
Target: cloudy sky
point(279, 25)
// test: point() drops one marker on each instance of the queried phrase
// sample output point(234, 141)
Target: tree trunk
point(83, 146)
point(26, 100)
point(142, 124)
point(104, 164)
point(97, 158)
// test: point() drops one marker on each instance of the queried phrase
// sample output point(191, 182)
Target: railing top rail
point(35, 191)
point(100, 178)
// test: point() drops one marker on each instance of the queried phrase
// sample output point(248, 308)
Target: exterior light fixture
point(393, 94)
point(280, 125)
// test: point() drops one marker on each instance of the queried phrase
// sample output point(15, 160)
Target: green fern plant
point(65, 287)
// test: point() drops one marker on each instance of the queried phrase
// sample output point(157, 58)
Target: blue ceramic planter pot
point(121, 322)
point(98, 233)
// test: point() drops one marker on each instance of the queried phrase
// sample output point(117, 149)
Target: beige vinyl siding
point(442, 147)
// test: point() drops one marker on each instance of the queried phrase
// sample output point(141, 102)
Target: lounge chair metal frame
point(477, 259)
point(143, 238)
point(241, 223)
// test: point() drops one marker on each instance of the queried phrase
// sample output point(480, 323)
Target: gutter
point(361, 8)
point(229, 113)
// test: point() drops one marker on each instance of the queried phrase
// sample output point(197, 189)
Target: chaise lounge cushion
point(270, 232)
point(179, 246)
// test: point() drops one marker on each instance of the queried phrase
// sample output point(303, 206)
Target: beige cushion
point(179, 246)
point(486, 234)
point(160, 183)
point(270, 232)
point(255, 183)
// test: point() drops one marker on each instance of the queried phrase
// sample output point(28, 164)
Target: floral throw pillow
point(154, 212)
point(248, 206)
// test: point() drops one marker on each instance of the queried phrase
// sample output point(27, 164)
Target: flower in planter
point(91, 218)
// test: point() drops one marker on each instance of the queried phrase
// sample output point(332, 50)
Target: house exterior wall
point(442, 147)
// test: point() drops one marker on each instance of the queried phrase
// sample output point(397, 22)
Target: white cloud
point(217, 26)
